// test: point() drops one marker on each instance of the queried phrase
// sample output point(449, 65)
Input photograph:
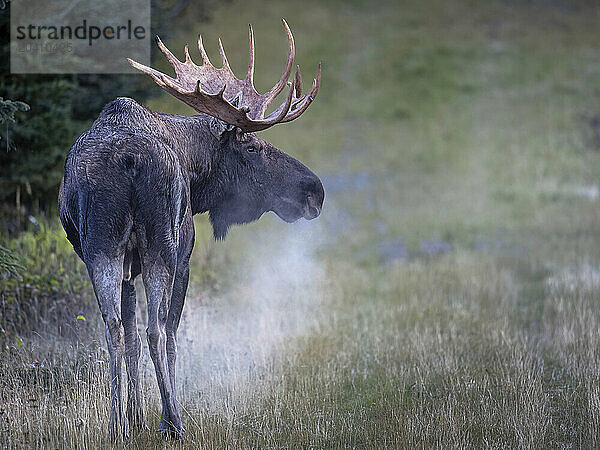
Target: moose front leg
point(158, 280)
point(177, 301)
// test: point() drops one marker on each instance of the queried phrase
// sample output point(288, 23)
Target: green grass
point(458, 123)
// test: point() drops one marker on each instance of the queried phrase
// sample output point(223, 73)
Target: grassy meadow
point(448, 295)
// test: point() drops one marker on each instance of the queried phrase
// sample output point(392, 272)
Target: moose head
point(252, 176)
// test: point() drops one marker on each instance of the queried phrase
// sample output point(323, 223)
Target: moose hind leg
point(158, 280)
point(106, 274)
point(133, 346)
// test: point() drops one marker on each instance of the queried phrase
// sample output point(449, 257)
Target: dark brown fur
point(131, 186)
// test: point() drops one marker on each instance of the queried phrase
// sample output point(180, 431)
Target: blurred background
point(449, 293)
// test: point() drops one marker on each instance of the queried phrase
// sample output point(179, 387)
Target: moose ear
point(235, 101)
point(218, 127)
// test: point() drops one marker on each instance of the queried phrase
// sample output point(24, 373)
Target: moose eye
point(252, 149)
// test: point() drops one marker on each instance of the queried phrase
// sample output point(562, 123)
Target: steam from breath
point(229, 347)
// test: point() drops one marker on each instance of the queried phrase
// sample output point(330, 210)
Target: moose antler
point(219, 93)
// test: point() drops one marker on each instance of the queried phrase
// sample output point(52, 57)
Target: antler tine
point(250, 74)
point(173, 60)
point(223, 57)
point(222, 91)
point(155, 74)
point(280, 113)
point(205, 59)
point(307, 99)
point(298, 82)
point(188, 59)
point(275, 90)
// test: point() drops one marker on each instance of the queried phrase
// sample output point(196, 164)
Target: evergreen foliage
point(33, 145)
point(9, 264)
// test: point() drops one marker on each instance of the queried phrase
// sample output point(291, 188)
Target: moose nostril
point(313, 208)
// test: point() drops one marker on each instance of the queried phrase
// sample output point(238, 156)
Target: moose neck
point(199, 155)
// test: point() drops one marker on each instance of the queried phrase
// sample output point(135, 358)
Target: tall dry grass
point(448, 294)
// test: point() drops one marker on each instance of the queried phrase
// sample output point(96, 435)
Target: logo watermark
point(79, 36)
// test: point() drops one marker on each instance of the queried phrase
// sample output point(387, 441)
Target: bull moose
point(133, 182)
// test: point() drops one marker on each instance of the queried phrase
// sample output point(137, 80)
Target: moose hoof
point(171, 434)
point(117, 436)
point(137, 422)
point(118, 429)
